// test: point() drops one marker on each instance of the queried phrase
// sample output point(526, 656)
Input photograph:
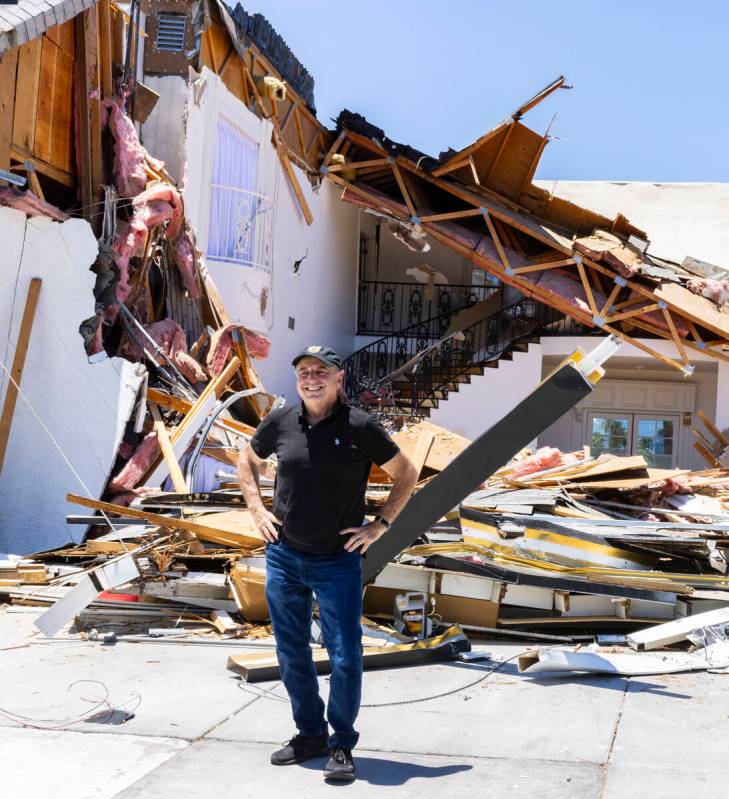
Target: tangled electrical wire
point(265, 693)
point(102, 712)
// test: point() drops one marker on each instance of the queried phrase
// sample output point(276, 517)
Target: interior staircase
point(407, 374)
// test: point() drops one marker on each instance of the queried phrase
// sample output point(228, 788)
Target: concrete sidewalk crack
point(606, 765)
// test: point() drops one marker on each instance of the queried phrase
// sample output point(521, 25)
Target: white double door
point(654, 436)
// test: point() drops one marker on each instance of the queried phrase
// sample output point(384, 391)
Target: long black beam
point(562, 390)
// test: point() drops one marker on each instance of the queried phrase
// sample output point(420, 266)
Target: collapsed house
point(153, 263)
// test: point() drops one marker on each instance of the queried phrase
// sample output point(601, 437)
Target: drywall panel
point(76, 401)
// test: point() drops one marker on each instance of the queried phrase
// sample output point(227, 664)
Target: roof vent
point(171, 31)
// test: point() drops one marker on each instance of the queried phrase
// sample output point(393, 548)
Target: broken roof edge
point(24, 21)
point(448, 159)
point(257, 30)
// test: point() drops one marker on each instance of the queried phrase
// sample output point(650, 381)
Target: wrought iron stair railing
point(411, 371)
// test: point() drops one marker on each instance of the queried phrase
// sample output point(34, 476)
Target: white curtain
point(234, 203)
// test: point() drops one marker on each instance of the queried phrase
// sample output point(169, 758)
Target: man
point(315, 540)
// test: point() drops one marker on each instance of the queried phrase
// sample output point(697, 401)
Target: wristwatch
point(382, 520)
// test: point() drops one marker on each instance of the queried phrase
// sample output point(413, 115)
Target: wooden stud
point(472, 164)
point(8, 69)
point(586, 286)
point(158, 519)
point(707, 455)
point(26, 102)
point(33, 179)
point(451, 215)
point(283, 156)
point(359, 164)
point(549, 265)
point(178, 479)
point(183, 406)
point(299, 132)
point(496, 240)
point(105, 48)
point(619, 317)
point(694, 332)
point(713, 429)
point(609, 301)
point(403, 189)
point(334, 148)
point(674, 334)
point(16, 370)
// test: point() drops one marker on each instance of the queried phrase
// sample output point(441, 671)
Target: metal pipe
point(216, 411)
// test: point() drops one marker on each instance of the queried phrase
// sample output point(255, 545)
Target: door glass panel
point(654, 439)
point(609, 434)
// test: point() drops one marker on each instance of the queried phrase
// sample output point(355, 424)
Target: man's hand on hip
point(266, 523)
point(363, 536)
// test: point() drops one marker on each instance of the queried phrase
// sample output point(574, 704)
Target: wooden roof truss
point(622, 306)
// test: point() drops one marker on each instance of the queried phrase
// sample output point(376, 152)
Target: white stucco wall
point(321, 298)
point(478, 405)
point(76, 401)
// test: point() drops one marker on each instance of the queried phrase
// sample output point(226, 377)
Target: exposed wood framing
point(500, 211)
point(8, 67)
point(163, 439)
point(16, 370)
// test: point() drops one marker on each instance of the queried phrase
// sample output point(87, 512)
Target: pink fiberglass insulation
point(221, 345)
point(129, 155)
point(715, 290)
point(136, 467)
point(681, 484)
point(183, 251)
point(170, 338)
point(152, 207)
point(29, 204)
point(543, 458)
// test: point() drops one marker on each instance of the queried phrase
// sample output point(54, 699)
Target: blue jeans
point(292, 578)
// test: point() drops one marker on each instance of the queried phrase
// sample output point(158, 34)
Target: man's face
point(316, 382)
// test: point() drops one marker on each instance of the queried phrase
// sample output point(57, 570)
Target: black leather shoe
point(301, 748)
point(340, 765)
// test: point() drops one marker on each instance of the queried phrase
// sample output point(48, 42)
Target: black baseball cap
point(324, 354)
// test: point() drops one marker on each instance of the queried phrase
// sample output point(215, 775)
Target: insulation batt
point(130, 158)
point(170, 338)
point(135, 468)
point(543, 458)
point(30, 205)
point(221, 344)
point(157, 204)
point(183, 251)
point(715, 290)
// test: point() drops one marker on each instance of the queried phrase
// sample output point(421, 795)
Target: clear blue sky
point(651, 78)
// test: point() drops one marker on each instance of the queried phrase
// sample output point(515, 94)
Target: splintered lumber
point(445, 447)
point(261, 666)
point(183, 406)
point(248, 584)
point(193, 421)
point(415, 444)
point(178, 479)
point(203, 530)
point(16, 371)
point(232, 528)
point(673, 631)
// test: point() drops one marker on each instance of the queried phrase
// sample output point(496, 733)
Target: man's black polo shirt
point(322, 472)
